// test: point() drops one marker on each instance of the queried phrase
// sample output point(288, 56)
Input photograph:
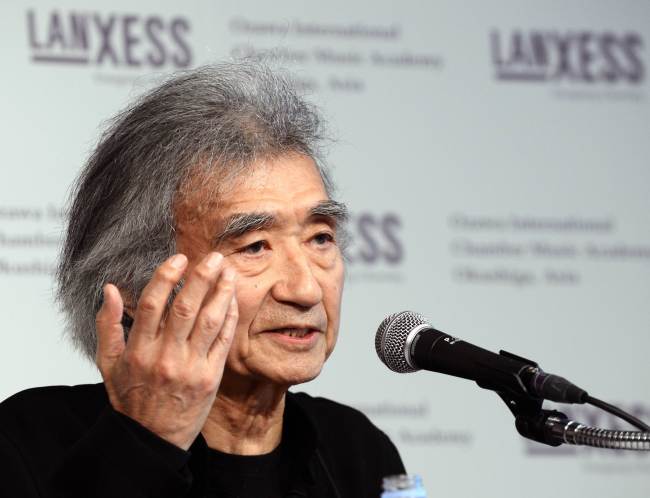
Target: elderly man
point(202, 271)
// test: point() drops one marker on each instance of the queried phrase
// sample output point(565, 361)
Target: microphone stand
point(555, 428)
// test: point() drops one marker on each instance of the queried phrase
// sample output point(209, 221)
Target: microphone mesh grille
point(390, 339)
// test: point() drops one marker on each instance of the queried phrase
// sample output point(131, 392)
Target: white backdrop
point(494, 156)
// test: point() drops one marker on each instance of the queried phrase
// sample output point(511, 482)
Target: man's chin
point(292, 375)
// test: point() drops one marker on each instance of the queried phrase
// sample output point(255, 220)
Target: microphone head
point(390, 340)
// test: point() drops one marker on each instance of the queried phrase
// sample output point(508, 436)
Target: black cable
point(618, 412)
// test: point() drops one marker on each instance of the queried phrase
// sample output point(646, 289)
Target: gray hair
point(220, 119)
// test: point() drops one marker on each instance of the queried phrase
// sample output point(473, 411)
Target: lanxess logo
point(575, 56)
point(116, 40)
point(376, 250)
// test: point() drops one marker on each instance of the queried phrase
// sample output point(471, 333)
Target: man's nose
point(296, 284)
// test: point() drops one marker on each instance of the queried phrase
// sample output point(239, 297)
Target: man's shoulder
point(59, 395)
point(356, 452)
point(52, 405)
point(331, 417)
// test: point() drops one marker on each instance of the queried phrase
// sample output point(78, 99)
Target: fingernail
point(229, 274)
point(178, 261)
point(213, 260)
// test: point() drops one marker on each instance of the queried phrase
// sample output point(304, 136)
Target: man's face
point(277, 228)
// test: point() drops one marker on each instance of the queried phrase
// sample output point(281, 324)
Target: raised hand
point(167, 375)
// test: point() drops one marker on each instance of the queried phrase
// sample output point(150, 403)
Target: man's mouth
point(297, 337)
point(294, 332)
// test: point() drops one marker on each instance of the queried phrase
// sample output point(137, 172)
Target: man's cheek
point(331, 342)
point(241, 347)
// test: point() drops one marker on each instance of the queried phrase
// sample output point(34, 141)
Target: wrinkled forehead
point(208, 191)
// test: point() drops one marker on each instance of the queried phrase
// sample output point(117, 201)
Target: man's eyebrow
point(239, 224)
point(337, 212)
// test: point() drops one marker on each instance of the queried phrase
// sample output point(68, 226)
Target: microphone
point(406, 342)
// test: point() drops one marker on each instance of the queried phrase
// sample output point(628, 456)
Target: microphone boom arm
point(554, 428)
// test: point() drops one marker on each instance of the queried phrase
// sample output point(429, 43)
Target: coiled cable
point(570, 432)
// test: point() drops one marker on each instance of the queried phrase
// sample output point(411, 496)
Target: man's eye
point(323, 238)
point(254, 248)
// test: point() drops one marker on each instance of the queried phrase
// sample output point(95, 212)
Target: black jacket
point(68, 442)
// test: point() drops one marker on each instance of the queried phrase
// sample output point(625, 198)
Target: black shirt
point(243, 476)
point(68, 442)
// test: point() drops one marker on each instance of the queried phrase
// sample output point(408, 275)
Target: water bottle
point(403, 486)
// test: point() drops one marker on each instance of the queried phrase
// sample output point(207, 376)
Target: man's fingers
point(221, 345)
point(110, 334)
point(213, 315)
point(189, 301)
point(153, 301)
